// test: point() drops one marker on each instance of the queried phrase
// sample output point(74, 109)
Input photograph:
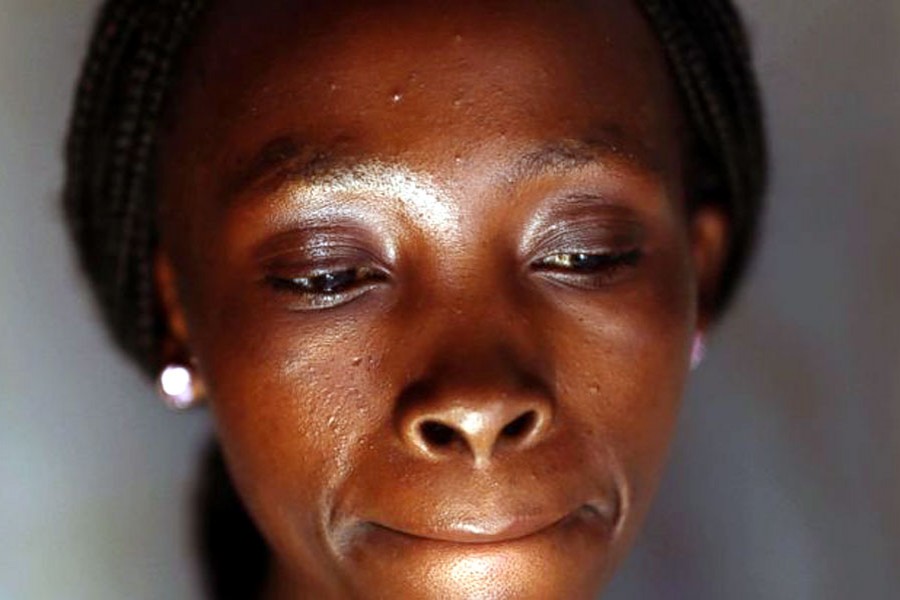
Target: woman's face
point(435, 266)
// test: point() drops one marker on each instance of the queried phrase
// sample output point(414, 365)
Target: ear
point(709, 249)
point(174, 346)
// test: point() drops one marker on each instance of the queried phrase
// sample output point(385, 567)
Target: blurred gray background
point(784, 482)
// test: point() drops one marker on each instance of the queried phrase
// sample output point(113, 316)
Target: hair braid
point(707, 49)
point(110, 158)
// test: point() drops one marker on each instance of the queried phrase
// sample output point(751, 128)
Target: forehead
point(427, 81)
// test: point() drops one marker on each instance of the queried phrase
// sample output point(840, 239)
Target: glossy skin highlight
point(436, 267)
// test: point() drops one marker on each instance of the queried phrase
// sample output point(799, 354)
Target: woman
point(438, 270)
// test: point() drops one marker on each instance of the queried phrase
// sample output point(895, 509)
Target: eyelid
point(306, 300)
point(582, 221)
point(611, 269)
point(587, 236)
point(312, 252)
point(324, 245)
point(311, 262)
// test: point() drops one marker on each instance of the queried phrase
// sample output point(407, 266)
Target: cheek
point(294, 399)
point(622, 365)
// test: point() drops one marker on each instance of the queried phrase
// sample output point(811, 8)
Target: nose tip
point(480, 431)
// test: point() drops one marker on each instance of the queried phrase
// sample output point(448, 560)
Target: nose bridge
point(482, 331)
point(484, 342)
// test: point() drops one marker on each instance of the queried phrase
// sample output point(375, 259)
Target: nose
point(478, 430)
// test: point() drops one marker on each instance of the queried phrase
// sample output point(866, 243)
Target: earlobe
point(179, 387)
point(709, 249)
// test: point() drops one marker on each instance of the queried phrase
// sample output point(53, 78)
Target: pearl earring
point(177, 387)
point(698, 350)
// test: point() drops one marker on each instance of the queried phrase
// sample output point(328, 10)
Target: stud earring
point(698, 350)
point(178, 387)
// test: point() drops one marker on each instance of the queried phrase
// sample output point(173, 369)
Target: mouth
point(491, 530)
point(498, 529)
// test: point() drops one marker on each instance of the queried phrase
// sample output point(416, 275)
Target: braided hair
point(110, 204)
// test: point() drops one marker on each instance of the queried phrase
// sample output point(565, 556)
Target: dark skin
point(436, 268)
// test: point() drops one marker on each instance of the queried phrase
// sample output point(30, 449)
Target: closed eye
point(585, 262)
point(327, 288)
point(588, 269)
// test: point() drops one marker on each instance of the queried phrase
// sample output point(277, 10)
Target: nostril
point(446, 432)
point(520, 426)
point(437, 434)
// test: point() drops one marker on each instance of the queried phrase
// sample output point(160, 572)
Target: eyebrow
point(281, 159)
point(571, 154)
point(287, 158)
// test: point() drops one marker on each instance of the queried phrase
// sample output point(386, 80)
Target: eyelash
point(588, 269)
point(327, 288)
